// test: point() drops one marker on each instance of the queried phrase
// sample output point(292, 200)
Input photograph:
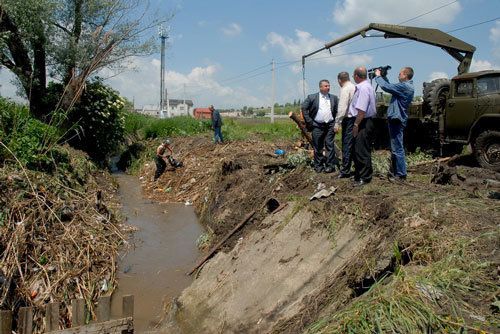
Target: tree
point(70, 40)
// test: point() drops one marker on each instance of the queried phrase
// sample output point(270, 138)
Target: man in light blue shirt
point(402, 95)
point(363, 109)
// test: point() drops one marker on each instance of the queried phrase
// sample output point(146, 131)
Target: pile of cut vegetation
point(59, 238)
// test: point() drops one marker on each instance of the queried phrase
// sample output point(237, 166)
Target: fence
point(104, 324)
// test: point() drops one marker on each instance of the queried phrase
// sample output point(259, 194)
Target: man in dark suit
point(319, 111)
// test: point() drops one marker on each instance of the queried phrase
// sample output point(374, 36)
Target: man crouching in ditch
point(160, 154)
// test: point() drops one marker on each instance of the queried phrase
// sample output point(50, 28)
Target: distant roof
point(171, 102)
point(202, 109)
point(176, 102)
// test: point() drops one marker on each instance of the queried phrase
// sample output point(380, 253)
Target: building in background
point(172, 109)
point(201, 113)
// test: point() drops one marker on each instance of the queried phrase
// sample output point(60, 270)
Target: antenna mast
point(163, 34)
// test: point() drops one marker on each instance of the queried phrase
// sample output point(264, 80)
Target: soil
point(286, 270)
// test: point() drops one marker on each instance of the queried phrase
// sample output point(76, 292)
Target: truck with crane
point(464, 110)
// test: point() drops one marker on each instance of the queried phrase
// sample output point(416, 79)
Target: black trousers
point(323, 135)
point(160, 167)
point(347, 144)
point(363, 151)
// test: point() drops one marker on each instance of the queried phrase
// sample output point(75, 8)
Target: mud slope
point(313, 265)
point(266, 274)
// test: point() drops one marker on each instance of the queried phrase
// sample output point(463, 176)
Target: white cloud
point(202, 23)
point(437, 75)
point(7, 87)
point(358, 13)
point(293, 49)
point(233, 30)
point(480, 65)
point(199, 85)
point(495, 33)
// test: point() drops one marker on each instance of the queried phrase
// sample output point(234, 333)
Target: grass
point(240, 130)
point(420, 297)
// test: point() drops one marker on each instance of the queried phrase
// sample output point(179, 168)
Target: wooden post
point(5, 322)
point(308, 135)
point(25, 320)
point(302, 126)
point(77, 312)
point(103, 308)
point(128, 306)
point(52, 317)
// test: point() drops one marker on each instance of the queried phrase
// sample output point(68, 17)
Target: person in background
point(319, 111)
point(363, 109)
point(402, 95)
point(346, 121)
point(216, 124)
point(160, 154)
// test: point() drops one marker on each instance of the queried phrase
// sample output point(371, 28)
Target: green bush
point(99, 119)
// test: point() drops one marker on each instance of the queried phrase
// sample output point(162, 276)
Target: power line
point(243, 74)
point(359, 39)
point(391, 45)
point(431, 11)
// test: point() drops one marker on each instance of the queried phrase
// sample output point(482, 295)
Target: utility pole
point(163, 34)
point(272, 94)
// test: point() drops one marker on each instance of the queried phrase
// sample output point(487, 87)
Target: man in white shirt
point(345, 120)
point(319, 111)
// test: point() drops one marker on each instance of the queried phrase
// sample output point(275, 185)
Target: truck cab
point(473, 104)
point(472, 115)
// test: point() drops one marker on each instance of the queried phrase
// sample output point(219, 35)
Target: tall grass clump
point(27, 139)
point(136, 123)
point(233, 129)
point(421, 299)
point(175, 126)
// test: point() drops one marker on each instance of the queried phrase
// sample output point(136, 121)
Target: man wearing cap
point(160, 154)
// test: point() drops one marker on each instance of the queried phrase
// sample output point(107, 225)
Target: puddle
point(165, 249)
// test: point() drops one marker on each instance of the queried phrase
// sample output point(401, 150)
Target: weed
point(204, 239)
point(299, 205)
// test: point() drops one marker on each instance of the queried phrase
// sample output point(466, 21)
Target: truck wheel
point(487, 150)
point(435, 93)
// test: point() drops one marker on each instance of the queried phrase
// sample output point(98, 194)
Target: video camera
point(383, 71)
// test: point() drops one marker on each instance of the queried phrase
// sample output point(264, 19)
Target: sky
point(220, 52)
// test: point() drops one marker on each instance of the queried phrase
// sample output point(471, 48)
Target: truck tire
point(435, 93)
point(487, 150)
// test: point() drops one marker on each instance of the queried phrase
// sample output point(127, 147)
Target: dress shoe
point(342, 176)
point(318, 169)
point(329, 170)
point(360, 183)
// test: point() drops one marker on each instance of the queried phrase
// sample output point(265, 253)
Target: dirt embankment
point(428, 249)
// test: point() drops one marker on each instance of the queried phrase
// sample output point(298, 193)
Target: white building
point(172, 108)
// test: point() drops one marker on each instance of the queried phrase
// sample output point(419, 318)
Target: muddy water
point(165, 249)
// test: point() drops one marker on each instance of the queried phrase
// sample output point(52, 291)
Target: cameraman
point(402, 95)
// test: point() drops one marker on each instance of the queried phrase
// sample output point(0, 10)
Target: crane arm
point(455, 47)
